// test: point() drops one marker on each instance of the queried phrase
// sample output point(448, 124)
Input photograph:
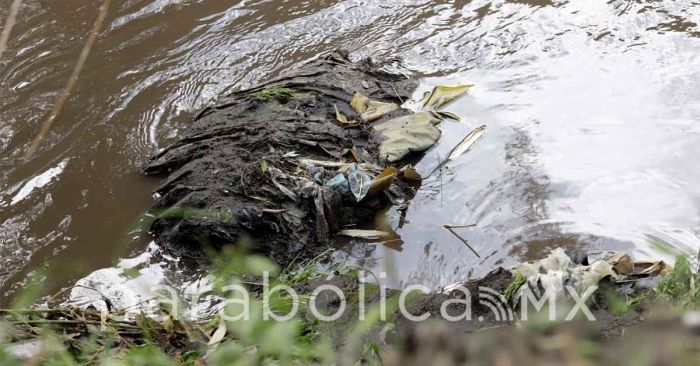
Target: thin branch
point(449, 228)
point(446, 226)
point(440, 167)
point(92, 38)
point(397, 94)
point(11, 17)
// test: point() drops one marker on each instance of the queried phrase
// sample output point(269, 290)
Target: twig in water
point(449, 228)
point(92, 38)
point(397, 93)
point(11, 17)
point(446, 226)
point(440, 167)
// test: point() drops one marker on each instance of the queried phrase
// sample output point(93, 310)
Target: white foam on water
point(39, 181)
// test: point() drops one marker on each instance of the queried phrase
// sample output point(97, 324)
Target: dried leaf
point(263, 199)
point(622, 263)
point(412, 174)
point(359, 102)
point(323, 163)
point(395, 244)
point(376, 110)
point(352, 153)
point(363, 234)
point(388, 171)
point(219, 334)
point(274, 210)
point(275, 174)
point(355, 156)
point(383, 181)
point(651, 268)
point(467, 142)
point(168, 325)
point(339, 116)
point(424, 99)
point(365, 84)
point(442, 95)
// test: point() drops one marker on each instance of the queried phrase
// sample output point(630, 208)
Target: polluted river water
point(592, 111)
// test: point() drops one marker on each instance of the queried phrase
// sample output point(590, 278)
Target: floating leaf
point(424, 99)
point(467, 142)
point(442, 95)
point(395, 244)
point(403, 135)
point(363, 234)
point(450, 115)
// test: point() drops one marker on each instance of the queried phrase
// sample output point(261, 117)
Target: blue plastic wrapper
point(340, 184)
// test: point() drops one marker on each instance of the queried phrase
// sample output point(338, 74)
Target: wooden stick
point(92, 38)
point(11, 17)
point(446, 226)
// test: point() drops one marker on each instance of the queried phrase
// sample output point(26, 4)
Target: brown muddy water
point(592, 108)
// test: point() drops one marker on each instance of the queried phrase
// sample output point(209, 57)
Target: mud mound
point(236, 172)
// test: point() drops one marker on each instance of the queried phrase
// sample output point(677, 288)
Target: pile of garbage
point(582, 272)
point(294, 161)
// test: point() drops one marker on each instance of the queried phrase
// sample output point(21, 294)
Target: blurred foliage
point(260, 341)
point(681, 286)
point(176, 341)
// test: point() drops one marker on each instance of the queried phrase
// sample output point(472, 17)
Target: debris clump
point(286, 164)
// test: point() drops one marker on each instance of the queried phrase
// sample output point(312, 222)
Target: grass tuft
point(514, 286)
point(278, 93)
point(681, 286)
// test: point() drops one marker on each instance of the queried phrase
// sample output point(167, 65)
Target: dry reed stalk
point(11, 17)
point(92, 38)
